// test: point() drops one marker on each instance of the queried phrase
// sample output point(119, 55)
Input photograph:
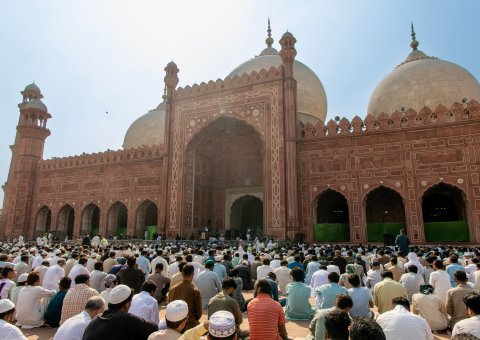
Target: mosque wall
point(126, 176)
point(408, 153)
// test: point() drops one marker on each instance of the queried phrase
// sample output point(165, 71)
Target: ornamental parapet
point(408, 119)
point(106, 157)
point(230, 83)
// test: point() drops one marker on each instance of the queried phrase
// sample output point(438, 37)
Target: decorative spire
point(269, 39)
point(414, 44)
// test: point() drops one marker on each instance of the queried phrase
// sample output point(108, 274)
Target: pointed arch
point(43, 220)
point(385, 213)
point(444, 213)
point(331, 216)
point(247, 212)
point(90, 222)
point(146, 219)
point(117, 219)
point(66, 220)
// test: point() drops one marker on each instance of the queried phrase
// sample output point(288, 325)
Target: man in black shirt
point(116, 323)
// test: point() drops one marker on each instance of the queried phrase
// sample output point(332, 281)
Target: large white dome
point(147, 130)
point(311, 97)
point(423, 81)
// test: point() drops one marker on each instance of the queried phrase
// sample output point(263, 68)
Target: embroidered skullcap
point(6, 305)
point(22, 278)
point(218, 258)
point(176, 311)
point(222, 324)
point(119, 294)
point(426, 289)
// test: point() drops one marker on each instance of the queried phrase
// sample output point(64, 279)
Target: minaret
point(27, 151)
point(171, 82)
point(288, 53)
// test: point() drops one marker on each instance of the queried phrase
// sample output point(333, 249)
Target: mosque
point(255, 151)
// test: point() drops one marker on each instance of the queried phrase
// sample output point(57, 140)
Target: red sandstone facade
point(240, 136)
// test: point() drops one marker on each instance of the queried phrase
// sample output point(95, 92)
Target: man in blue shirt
point(326, 294)
point(219, 268)
point(296, 263)
point(298, 294)
point(361, 297)
point(403, 242)
point(452, 268)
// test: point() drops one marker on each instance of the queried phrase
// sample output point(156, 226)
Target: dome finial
point(269, 39)
point(414, 44)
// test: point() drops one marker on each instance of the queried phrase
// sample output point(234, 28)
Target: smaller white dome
point(33, 88)
point(36, 104)
point(147, 130)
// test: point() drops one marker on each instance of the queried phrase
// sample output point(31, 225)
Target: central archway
point(247, 213)
point(226, 156)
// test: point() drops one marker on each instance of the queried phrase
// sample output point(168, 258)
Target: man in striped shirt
point(265, 316)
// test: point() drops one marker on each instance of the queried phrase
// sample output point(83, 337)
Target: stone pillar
point(288, 53)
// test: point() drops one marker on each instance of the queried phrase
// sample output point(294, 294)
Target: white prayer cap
point(6, 305)
point(218, 258)
point(33, 249)
point(119, 294)
point(57, 251)
point(176, 311)
point(222, 324)
point(22, 278)
point(276, 256)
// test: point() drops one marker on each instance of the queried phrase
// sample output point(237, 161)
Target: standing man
point(403, 242)
point(208, 283)
point(131, 276)
point(189, 293)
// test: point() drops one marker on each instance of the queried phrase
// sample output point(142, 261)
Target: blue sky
point(90, 56)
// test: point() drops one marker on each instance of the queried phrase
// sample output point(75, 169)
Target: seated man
point(326, 294)
point(54, 310)
point(361, 297)
point(265, 316)
point(343, 302)
point(7, 329)
point(116, 323)
point(337, 323)
point(176, 316)
point(430, 307)
point(400, 323)
point(471, 325)
point(298, 293)
point(74, 327)
point(366, 328)
point(144, 305)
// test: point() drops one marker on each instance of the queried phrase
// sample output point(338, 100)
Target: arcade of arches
point(66, 219)
point(443, 206)
point(226, 155)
